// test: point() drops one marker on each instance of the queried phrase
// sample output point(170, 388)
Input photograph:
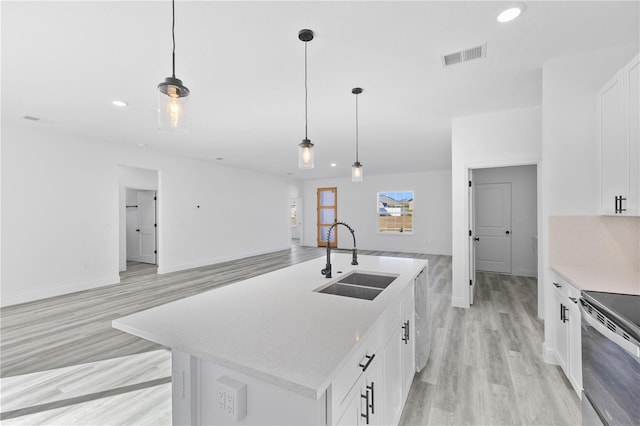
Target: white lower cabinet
point(377, 397)
point(392, 371)
point(567, 331)
point(365, 404)
point(408, 341)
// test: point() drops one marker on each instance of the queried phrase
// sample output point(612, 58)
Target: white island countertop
point(274, 327)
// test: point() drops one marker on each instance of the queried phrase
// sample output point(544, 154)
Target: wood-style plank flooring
point(62, 362)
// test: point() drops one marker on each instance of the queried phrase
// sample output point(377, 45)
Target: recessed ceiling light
point(120, 103)
point(333, 164)
point(511, 13)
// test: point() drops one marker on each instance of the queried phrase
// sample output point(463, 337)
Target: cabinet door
point(371, 401)
point(393, 389)
point(408, 346)
point(351, 414)
point(631, 75)
point(613, 144)
point(561, 332)
point(575, 346)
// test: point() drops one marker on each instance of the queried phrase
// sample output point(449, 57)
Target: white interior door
point(147, 226)
point(492, 213)
point(472, 243)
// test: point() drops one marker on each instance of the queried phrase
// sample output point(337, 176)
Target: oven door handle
point(628, 346)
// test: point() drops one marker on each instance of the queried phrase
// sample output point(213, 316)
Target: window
point(395, 212)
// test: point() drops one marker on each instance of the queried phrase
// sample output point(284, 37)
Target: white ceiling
point(66, 61)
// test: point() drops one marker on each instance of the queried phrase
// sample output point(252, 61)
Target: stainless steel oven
point(610, 358)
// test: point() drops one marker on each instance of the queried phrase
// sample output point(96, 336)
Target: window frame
point(411, 210)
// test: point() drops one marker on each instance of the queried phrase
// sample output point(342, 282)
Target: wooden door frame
point(320, 225)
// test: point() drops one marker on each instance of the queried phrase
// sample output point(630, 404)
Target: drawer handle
point(366, 365)
point(366, 406)
point(405, 327)
point(573, 299)
point(557, 285)
point(373, 398)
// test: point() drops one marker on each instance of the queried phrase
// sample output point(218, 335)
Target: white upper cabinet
point(619, 137)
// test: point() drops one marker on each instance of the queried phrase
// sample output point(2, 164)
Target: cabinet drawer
point(351, 371)
point(559, 283)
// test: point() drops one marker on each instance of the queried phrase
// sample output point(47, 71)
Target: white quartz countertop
point(610, 280)
point(275, 327)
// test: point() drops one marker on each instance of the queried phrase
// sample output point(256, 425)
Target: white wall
point(131, 177)
point(570, 179)
point(60, 218)
point(524, 209)
point(499, 139)
point(357, 206)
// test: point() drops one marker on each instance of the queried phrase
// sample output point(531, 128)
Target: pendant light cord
point(306, 96)
point(356, 128)
point(173, 35)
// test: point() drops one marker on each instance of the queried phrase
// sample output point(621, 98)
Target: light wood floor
point(62, 363)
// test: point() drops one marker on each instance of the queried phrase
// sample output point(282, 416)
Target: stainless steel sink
point(357, 292)
point(359, 285)
point(368, 280)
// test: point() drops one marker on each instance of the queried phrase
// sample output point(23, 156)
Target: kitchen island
point(275, 350)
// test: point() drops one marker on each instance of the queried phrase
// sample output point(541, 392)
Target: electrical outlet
point(229, 405)
point(232, 397)
point(221, 399)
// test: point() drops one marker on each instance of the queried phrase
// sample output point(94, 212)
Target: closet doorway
point(141, 226)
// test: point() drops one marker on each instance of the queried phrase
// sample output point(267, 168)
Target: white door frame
point(468, 211)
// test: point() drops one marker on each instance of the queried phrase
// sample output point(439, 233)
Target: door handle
point(476, 239)
point(137, 230)
point(508, 232)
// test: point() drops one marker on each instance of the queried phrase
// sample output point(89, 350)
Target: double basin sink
point(359, 285)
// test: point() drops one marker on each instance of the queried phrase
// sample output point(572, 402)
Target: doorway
point(141, 226)
point(139, 212)
point(503, 219)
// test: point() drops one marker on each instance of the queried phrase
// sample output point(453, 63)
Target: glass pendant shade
point(173, 99)
point(305, 154)
point(356, 172)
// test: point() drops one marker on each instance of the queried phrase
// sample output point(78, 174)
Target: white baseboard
point(213, 261)
point(526, 272)
point(56, 291)
point(549, 354)
point(458, 302)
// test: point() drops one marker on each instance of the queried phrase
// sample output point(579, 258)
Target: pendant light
point(356, 169)
point(305, 148)
point(173, 95)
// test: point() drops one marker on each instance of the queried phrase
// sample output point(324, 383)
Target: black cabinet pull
point(408, 332)
point(561, 313)
point(563, 316)
point(366, 415)
point(476, 239)
point(373, 398)
point(369, 360)
point(508, 232)
point(557, 285)
point(619, 199)
point(573, 299)
point(405, 336)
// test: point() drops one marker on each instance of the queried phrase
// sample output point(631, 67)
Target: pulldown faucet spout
point(354, 261)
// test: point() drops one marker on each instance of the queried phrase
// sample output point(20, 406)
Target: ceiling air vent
point(464, 55)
